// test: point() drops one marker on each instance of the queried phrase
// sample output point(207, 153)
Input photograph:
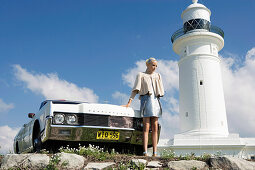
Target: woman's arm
point(136, 88)
point(132, 96)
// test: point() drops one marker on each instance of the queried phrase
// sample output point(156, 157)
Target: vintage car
point(61, 122)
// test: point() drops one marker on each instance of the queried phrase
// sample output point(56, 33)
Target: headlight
point(59, 118)
point(71, 119)
point(138, 124)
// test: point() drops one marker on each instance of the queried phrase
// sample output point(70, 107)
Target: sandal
point(145, 153)
point(154, 154)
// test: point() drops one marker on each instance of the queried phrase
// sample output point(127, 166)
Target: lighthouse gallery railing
point(181, 32)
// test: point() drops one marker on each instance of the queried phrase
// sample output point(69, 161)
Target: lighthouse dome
point(196, 16)
point(194, 11)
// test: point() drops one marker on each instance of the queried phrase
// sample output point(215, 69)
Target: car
point(64, 122)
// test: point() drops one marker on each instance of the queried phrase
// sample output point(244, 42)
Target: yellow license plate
point(108, 135)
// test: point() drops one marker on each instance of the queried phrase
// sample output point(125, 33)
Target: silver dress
point(150, 106)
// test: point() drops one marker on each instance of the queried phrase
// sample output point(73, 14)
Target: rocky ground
point(118, 160)
point(74, 161)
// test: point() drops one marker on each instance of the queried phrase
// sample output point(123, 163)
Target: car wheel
point(37, 144)
point(17, 148)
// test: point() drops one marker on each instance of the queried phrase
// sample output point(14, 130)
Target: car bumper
point(89, 134)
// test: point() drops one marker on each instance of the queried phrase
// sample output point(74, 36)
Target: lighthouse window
point(201, 82)
point(196, 24)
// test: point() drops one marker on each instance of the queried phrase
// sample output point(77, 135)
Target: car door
point(19, 140)
point(27, 135)
point(43, 112)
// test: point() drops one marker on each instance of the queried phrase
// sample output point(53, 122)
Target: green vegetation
point(54, 163)
point(93, 152)
point(44, 151)
point(130, 165)
point(167, 154)
point(170, 155)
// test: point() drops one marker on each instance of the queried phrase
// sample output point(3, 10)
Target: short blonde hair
point(149, 60)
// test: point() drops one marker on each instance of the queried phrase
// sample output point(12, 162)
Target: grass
point(54, 163)
point(170, 155)
point(130, 165)
point(98, 154)
point(93, 152)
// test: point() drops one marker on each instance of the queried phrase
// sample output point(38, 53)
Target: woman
point(150, 87)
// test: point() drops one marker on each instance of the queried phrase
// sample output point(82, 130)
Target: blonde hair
point(149, 60)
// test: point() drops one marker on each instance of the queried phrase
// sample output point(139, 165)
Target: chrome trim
point(27, 150)
point(96, 127)
point(46, 133)
point(42, 131)
point(84, 134)
point(48, 116)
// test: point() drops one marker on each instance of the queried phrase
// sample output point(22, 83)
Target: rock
point(70, 161)
point(25, 161)
point(228, 162)
point(12, 160)
point(139, 162)
point(100, 165)
point(187, 164)
point(36, 161)
point(154, 164)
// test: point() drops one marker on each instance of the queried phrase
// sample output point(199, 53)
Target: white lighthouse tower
point(202, 104)
point(203, 120)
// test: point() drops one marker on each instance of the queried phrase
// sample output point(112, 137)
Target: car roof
point(65, 101)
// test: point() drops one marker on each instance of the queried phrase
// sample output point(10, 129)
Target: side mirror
point(31, 115)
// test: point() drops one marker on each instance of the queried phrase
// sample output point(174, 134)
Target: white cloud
point(239, 87)
point(4, 107)
point(51, 87)
point(129, 77)
point(169, 125)
point(123, 98)
point(168, 69)
point(7, 135)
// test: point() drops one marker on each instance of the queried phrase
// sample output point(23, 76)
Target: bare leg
point(146, 127)
point(154, 128)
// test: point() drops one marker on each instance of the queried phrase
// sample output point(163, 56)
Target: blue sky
point(93, 49)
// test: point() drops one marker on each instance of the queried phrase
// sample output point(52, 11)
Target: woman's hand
point(128, 104)
point(125, 105)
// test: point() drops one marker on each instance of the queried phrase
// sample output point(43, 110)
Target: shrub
point(90, 151)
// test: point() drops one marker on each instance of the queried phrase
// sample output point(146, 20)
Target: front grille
point(105, 120)
point(92, 120)
point(120, 121)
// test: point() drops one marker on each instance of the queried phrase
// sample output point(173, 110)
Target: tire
point(17, 148)
point(37, 144)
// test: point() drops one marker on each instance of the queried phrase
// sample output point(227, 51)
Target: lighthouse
point(202, 104)
point(202, 111)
